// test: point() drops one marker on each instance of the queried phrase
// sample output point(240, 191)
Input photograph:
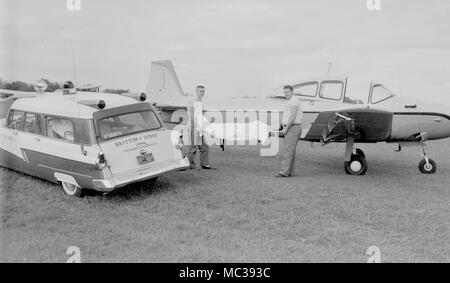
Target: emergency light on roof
point(99, 104)
point(140, 97)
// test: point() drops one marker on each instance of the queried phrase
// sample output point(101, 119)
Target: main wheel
point(427, 168)
point(357, 165)
point(360, 152)
point(72, 190)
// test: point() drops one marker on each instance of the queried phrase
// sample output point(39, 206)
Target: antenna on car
point(83, 151)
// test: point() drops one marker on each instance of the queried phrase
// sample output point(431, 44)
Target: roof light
point(142, 96)
point(100, 104)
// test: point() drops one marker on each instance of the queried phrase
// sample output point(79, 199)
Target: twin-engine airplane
point(327, 116)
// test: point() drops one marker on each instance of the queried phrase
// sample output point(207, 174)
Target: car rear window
point(127, 124)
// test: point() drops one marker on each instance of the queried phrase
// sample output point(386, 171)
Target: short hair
point(288, 87)
point(199, 86)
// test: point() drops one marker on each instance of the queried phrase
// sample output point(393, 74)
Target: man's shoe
point(281, 176)
point(208, 167)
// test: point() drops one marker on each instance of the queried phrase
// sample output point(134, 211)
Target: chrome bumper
point(119, 180)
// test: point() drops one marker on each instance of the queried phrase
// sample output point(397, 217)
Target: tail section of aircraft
point(4, 107)
point(163, 85)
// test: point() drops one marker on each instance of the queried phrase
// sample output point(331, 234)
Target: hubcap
point(71, 187)
point(356, 166)
point(428, 166)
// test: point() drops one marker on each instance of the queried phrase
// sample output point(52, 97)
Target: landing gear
point(427, 165)
point(360, 152)
point(355, 160)
point(357, 164)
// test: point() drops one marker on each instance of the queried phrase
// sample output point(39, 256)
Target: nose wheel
point(427, 165)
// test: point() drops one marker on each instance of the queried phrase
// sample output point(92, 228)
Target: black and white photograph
point(236, 132)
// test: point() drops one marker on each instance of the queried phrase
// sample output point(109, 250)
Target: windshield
point(128, 123)
point(380, 93)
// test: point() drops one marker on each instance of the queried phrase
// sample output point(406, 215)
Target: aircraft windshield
point(307, 89)
point(380, 93)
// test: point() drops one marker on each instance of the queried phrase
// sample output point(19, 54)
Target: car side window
point(15, 120)
point(60, 128)
point(30, 123)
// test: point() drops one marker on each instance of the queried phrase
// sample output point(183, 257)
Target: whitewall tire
point(71, 189)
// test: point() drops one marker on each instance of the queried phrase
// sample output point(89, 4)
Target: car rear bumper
point(119, 180)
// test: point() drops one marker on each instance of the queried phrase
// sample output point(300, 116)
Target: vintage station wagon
point(92, 141)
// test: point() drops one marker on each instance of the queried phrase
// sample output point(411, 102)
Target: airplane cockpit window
point(60, 128)
point(380, 93)
point(331, 90)
point(306, 89)
point(15, 120)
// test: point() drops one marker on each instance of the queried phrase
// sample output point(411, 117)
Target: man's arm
point(291, 119)
point(190, 112)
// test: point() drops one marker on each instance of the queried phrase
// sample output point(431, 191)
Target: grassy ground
point(241, 212)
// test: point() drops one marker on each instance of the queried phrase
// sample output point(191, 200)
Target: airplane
point(328, 117)
point(7, 97)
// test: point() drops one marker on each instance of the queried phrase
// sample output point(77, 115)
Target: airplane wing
point(14, 94)
point(7, 98)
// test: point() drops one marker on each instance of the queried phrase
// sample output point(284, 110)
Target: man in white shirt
point(292, 130)
point(196, 128)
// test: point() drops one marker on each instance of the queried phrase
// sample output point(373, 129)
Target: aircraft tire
point(427, 168)
point(360, 152)
point(357, 165)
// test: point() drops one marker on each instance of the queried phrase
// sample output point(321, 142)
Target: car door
point(10, 153)
point(30, 143)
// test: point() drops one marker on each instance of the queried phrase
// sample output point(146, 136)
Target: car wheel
point(71, 189)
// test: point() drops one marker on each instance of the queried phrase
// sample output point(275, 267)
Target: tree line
point(51, 86)
point(24, 86)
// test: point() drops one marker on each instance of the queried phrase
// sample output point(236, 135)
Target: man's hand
point(284, 130)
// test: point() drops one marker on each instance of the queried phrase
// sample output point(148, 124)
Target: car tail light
point(100, 163)
point(180, 143)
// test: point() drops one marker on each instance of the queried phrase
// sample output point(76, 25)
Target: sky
point(233, 47)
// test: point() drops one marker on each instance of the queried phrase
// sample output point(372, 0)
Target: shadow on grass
point(163, 185)
point(166, 184)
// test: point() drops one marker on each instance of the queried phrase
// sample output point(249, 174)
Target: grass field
point(241, 212)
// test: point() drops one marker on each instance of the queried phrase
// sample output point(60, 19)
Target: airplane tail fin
point(5, 104)
point(163, 86)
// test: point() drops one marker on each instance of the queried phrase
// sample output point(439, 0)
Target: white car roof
point(67, 106)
